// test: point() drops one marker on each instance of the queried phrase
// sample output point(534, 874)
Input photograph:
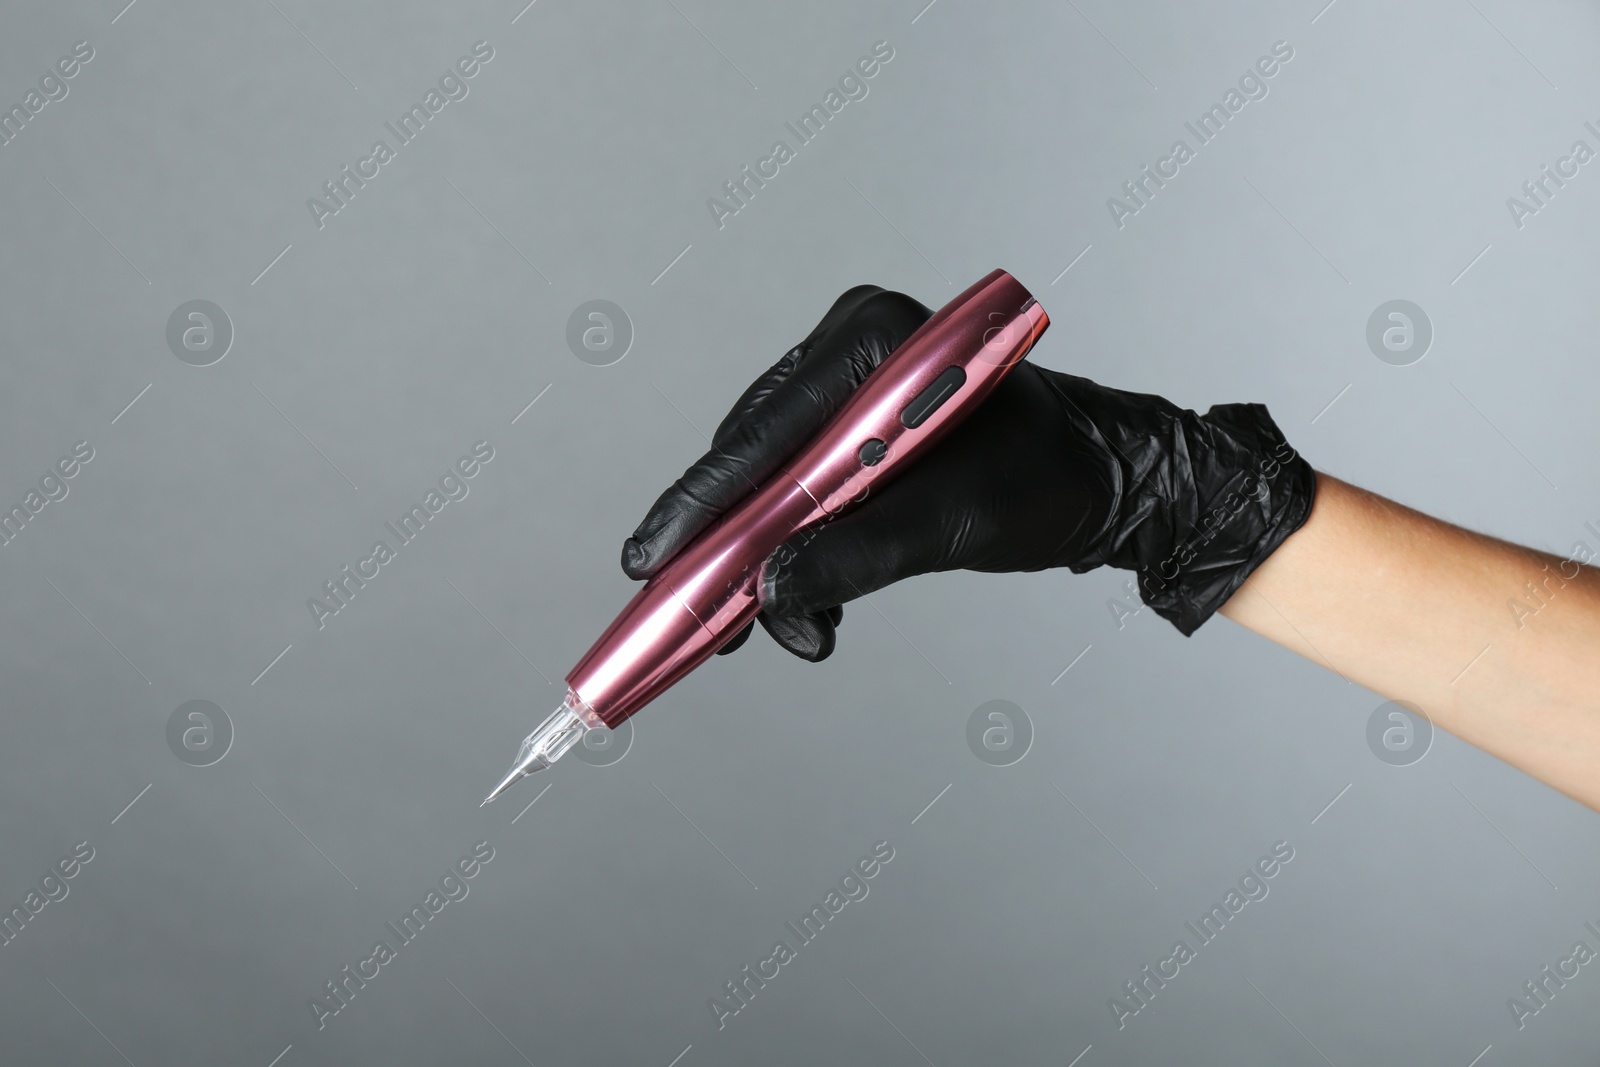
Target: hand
point(1051, 471)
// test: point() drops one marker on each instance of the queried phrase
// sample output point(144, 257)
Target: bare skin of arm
point(1416, 609)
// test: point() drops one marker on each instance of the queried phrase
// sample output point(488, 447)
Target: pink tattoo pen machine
point(711, 589)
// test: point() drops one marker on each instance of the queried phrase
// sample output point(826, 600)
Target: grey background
point(423, 318)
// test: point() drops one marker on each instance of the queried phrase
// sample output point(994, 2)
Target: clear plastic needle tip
point(563, 729)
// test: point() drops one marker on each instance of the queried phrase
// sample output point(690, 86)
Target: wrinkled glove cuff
point(1250, 491)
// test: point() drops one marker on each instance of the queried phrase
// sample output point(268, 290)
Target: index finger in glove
point(774, 418)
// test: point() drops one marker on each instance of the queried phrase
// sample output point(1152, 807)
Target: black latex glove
point(1051, 471)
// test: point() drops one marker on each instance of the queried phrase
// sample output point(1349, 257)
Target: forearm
point(1417, 609)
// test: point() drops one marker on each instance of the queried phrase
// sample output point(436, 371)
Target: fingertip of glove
point(810, 637)
point(636, 561)
point(813, 643)
point(820, 649)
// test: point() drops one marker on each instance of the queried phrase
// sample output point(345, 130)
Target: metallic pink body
point(707, 593)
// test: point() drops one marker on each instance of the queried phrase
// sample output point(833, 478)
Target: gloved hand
point(1051, 471)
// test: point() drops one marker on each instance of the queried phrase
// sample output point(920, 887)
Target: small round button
point(873, 451)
